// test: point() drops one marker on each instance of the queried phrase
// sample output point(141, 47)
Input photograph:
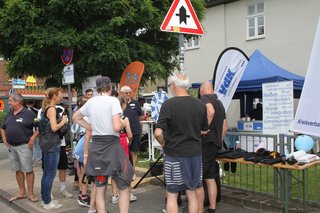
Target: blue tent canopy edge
point(261, 70)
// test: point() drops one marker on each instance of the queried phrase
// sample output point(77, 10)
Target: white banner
point(307, 118)
point(229, 69)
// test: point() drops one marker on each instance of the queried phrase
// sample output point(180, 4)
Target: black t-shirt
point(19, 127)
point(133, 112)
point(182, 118)
point(216, 126)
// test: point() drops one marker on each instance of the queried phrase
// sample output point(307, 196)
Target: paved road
point(5, 208)
point(3, 151)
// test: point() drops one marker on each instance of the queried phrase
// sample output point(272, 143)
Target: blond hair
point(49, 93)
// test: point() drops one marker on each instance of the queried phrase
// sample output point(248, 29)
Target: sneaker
point(53, 201)
point(89, 211)
point(115, 199)
point(66, 194)
point(52, 205)
point(133, 197)
point(84, 201)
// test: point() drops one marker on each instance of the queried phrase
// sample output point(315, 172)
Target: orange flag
point(131, 76)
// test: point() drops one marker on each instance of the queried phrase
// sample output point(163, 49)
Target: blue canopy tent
point(258, 71)
point(261, 70)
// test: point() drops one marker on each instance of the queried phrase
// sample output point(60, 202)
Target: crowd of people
point(108, 138)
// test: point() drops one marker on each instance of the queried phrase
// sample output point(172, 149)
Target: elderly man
point(211, 143)
point(134, 113)
point(18, 134)
point(181, 121)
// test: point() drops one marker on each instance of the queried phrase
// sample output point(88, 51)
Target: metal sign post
point(181, 53)
point(68, 79)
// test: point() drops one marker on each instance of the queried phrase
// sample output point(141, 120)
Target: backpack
point(47, 139)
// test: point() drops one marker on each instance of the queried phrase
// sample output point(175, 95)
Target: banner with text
point(277, 107)
point(228, 71)
point(131, 76)
point(307, 118)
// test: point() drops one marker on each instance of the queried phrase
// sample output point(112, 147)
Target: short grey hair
point(125, 88)
point(17, 97)
point(179, 82)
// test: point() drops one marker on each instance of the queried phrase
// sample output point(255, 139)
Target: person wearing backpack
point(49, 126)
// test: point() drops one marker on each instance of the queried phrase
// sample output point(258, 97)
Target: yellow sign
point(31, 81)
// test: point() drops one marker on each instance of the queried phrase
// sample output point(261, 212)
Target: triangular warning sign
point(182, 18)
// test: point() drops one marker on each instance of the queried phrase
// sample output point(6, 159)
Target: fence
point(265, 179)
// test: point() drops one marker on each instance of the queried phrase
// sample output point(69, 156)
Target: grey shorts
point(119, 179)
point(20, 158)
point(182, 173)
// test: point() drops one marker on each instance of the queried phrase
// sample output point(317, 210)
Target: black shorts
point(135, 144)
point(63, 160)
point(209, 154)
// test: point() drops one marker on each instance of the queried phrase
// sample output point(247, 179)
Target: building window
point(256, 21)
point(192, 43)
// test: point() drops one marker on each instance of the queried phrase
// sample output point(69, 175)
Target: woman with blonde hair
point(50, 144)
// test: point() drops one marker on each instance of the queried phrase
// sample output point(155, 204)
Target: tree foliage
point(106, 36)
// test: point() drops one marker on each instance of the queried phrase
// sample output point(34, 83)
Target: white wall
point(290, 29)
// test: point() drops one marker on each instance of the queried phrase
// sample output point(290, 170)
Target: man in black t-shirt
point(17, 131)
point(181, 121)
point(211, 142)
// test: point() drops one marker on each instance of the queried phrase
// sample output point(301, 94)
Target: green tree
point(106, 36)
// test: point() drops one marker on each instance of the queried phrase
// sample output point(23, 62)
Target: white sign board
point(18, 83)
point(277, 107)
point(68, 75)
point(307, 119)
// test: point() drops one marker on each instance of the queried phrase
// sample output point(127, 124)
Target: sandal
point(17, 197)
point(33, 198)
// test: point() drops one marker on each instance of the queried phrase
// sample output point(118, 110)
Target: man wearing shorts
point(181, 122)
point(211, 143)
point(18, 135)
point(106, 158)
point(134, 113)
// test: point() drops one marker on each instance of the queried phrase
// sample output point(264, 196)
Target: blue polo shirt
point(19, 127)
point(133, 112)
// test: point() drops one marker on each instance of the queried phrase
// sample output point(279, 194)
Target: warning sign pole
point(181, 18)
point(181, 53)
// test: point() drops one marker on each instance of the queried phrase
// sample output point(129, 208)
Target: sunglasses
point(170, 84)
point(127, 93)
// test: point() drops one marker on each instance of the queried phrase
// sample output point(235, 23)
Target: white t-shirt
point(100, 110)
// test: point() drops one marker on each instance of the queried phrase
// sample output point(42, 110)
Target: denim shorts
point(183, 173)
point(20, 158)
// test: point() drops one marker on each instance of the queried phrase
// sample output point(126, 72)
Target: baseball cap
point(103, 82)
